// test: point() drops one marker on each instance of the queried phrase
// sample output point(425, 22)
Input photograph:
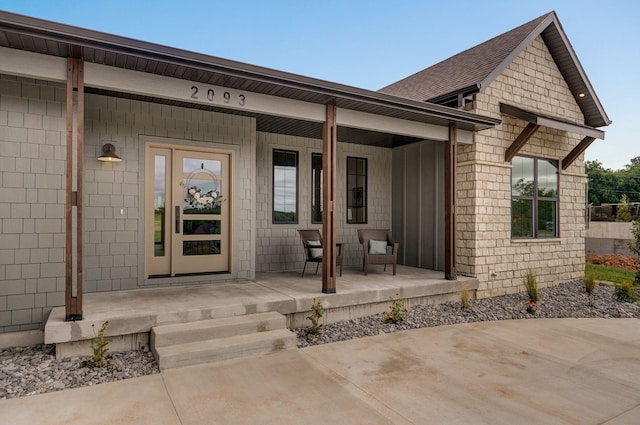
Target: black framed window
point(316, 188)
point(534, 197)
point(285, 186)
point(357, 190)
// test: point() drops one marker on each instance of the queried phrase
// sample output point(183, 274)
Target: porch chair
point(378, 248)
point(312, 244)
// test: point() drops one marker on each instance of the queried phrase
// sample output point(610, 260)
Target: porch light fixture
point(109, 154)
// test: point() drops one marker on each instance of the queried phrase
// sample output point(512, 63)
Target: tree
point(602, 184)
point(624, 213)
point(606, 186)
point(629, 180)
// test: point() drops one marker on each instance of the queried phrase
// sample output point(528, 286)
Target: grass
point(610, 274)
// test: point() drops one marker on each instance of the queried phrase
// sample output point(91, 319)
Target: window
point(316, 188)
point(356, 190)
point(285, 186)
point(534, 197)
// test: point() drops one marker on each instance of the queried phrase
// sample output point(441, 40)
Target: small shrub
point(396, 313)
point(317, 311)
point(465, 297)
point(589, 282)
point(99, 346)
point(625, 292)
point(532, 307)
point(531, 284)
point(624, 212)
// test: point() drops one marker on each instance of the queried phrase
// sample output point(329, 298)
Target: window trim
point(535, 199)
point(273, 185)
point(365, 193)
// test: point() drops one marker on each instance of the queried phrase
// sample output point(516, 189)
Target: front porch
point(132, 314)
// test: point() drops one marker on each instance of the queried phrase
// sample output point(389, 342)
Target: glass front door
point(187, 212)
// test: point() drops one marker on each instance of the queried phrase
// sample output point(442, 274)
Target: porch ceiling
point(50, 38)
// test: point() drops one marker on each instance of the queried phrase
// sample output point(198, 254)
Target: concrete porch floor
point(131, 314)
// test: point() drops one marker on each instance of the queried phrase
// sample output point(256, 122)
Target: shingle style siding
point(485, 247)
point(32, 192)
point(278, 246)
point(114, 207)
point(32, 196)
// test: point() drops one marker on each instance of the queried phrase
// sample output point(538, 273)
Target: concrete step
point(213, 350)
point(182, 333)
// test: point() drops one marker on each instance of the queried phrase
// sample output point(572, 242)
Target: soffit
point(550, 122)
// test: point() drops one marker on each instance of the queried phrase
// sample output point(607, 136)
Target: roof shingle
point(472, 70)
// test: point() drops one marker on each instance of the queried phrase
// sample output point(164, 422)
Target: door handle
point(177, 219)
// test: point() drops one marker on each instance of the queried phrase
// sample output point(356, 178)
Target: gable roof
point(474, 69)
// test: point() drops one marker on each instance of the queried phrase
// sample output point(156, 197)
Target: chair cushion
point(377, 247)
point(315, 252)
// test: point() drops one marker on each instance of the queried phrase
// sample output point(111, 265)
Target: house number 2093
point(211, 96)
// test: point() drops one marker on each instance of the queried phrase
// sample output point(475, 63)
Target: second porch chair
point(312, 244)
point(378, 248)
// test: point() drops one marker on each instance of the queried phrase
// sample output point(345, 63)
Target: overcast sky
point(370, 44)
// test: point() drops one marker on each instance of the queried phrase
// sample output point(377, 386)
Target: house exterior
point(222, 162)
point(531, 79)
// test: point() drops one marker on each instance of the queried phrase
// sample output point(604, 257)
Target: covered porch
point(152, 102)
point(132, 314)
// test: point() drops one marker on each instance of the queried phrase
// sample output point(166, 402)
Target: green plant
point(624, 213)
point(589, 281)
point(99, 346)
point(396, 313)
point(465, 297)
point(317, 311)
point(532, 307)
point(625, 292)
point(531, 285)
point(635, 247)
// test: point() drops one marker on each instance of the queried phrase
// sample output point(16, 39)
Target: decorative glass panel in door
point(201, 212)
point(158, 212)
point(187, 212)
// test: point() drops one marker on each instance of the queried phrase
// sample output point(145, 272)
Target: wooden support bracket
point(520, 141)
point(575, 152)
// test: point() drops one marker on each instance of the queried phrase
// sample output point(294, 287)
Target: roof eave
point(94, 39)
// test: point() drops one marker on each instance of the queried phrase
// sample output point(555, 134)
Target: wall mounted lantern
point(109, 154)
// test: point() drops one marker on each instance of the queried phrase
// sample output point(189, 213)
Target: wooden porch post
point(329, 147)
point(450, 205)
point(73, 203)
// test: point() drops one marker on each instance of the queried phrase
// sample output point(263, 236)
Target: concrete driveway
point(553, 371)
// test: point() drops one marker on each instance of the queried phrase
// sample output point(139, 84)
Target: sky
point(370, 44)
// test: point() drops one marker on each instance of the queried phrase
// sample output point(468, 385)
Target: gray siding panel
point(418, 214)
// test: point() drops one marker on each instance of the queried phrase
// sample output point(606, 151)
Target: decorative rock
point(34, 369)
point(565, 300)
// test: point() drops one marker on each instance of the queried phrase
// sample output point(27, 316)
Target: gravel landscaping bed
point(34, 369)
point(565, 300)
